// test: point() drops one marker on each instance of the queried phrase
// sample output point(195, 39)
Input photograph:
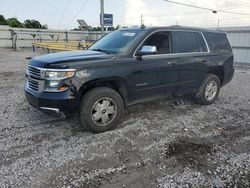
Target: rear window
point(187, 42)
point(218, 42)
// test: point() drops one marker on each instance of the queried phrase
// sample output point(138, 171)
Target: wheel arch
point(115, 83)
point(218, 71)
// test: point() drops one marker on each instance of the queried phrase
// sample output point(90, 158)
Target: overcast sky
point(127, 12)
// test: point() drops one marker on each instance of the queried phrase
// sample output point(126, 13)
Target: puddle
point(189, 152)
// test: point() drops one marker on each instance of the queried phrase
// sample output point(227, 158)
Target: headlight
point(54, 79)
point(55, 75)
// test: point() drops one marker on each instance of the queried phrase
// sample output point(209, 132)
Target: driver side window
point(161, 41)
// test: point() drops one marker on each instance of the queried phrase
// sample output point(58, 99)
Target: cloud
point(134, 10)
point(159, 12)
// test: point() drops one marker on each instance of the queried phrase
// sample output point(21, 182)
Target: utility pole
point(102, 16)
point(142, 20)
point(218, 23)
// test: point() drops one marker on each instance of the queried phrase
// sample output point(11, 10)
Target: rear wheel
point(209, 90)
point(101, 109)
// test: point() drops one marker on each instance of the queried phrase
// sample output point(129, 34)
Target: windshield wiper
point(100, 50)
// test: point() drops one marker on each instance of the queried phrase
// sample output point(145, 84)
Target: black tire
point(88, 109)
point(201, 96)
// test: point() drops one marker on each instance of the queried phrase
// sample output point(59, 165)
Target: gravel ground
point(158, 144)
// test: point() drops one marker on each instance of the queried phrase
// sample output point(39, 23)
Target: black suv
point(130, 66)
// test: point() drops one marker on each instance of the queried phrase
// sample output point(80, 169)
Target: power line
point(224, 11)
point(203, 8)
point(215, 19)
point(223, 21)
point(236, 7)
point(180, 14)
point(84, 3)
point(191, 18)
point(187, 5)
point(63, 14)
point(187, 13)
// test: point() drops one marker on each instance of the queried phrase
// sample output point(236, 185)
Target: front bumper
point(52, 102)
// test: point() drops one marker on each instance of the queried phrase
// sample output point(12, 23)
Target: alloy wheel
point(104, 111)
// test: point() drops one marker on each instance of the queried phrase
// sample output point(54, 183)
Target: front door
point(153, 76)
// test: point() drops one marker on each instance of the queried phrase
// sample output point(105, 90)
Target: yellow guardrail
point(61, 45)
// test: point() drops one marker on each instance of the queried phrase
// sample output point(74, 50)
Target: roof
point(174, 27)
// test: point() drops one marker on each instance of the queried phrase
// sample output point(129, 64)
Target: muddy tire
point(209, 90)
point(101, 109)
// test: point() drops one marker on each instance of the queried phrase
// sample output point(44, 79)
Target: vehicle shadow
point(70, 122)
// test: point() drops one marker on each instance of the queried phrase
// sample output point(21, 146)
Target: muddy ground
point(158, 144)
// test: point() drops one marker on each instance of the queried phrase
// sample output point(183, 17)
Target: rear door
point(192, 55)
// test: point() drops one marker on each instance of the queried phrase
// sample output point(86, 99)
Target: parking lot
point(158, 144)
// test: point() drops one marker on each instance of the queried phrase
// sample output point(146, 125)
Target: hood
point(69, 59)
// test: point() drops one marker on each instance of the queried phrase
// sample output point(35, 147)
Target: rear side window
point(188, 42)
point(218, 42)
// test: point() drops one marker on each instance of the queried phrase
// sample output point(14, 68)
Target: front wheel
point(101, 109)
point(209, 90)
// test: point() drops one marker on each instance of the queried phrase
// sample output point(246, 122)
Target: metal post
point(14, 39)
point(102, 16)
point(218, 23)
point(66, 36)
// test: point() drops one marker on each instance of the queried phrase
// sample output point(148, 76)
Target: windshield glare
point(117, 42)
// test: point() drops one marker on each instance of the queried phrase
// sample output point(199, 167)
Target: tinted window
point(186, 42)
point(161, 41)
point(218, 42)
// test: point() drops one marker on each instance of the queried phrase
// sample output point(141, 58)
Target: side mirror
point(147, 50)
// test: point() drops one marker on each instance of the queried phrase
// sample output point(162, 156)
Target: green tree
point(96, 28)
point(3, 21)
point(14, 22)
point(110, 28)
point(32, 24)
point(45, 26)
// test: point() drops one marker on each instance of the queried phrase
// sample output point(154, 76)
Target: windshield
point(117, 42)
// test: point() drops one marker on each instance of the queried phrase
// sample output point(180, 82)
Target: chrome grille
point(33, 84)
point(34, 72)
